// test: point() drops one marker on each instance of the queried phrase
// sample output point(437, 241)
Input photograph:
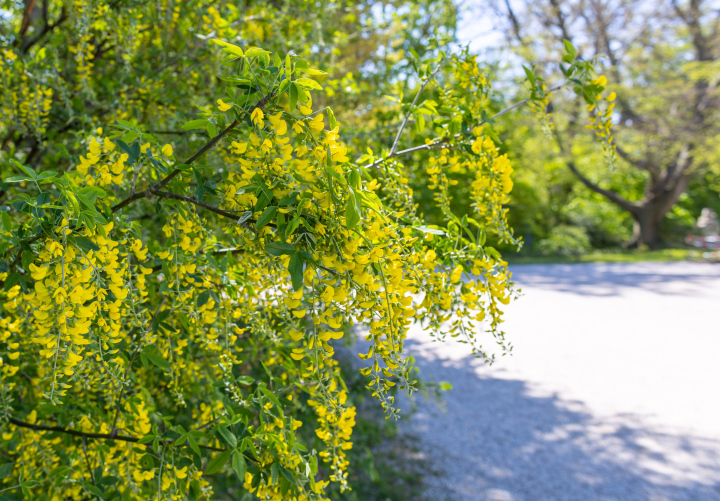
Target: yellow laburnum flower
point(611, 97)
point(601, 81)
point(305, 110)
point(38, 273)
point(328, 294)
point(108, 145)
point(239, 148)
point(223, 106)
point(181, 472)
point(167, 150)
point(257, 116)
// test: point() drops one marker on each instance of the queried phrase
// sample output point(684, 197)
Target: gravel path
point(612, 392)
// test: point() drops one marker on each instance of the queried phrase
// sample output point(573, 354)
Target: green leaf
point(239, 465)
point(530, 75)
point(335, 174)
point(308, 84)
point(228, 436)
point(571, 50)
point(156, 359)
point(280, 248)
point(195, 124)
point(246, 380)
point(255, 51)
point(245, 216)
point(425, 229)
point(293, 96)
point(354, 179)
point(27, 259)
point(331, 118)
point(295, 267)
point(17, 179)
point(27, 170)
point(93, 490)
point(86, 244)
point(203, 298)
point(267, 216)
point(352, 213)
point(6, 469)
point(11, 281)
point(7, 224)
point(46, 174)
point(229, 48)
point(193, 444)
point(216, 464)
point(292, 226)
point(262, 201)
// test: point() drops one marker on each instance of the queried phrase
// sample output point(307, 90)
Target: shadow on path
point(500, 439)
point(606, 279)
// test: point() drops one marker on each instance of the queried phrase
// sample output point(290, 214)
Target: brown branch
point(442, 142)
point(407, 115)
point(154, 189)
point(609, 194)
point(47, 28)
point(96, 436)
point(25, 23)
point(194, 201)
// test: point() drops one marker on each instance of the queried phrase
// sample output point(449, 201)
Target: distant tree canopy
point(186, 231)
point(662, 62)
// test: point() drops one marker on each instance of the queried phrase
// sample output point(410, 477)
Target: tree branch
point(609, 194)
point(441, 142)
point(407, 115)
point(194, 201)
point(154, 189)
point(96, 436)
point(47, 28)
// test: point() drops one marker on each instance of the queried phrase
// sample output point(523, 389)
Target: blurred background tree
point(662, 61)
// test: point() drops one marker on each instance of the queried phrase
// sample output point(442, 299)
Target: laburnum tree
point(169, 308)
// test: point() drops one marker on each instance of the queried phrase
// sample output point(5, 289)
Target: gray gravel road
point(612, 392)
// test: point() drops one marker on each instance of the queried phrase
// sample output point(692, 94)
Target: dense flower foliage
point(136, 361)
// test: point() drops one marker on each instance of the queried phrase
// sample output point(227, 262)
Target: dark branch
point(155, 189)
point(95, 436)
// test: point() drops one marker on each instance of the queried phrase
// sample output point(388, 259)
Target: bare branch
point(440, 143)
point(407, 115)
point(155, 189)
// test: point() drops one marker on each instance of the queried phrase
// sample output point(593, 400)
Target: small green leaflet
point(86, 244)
point(295, 267)
point(195, 124)
point(216, 464)
point(308, 84)
point(246, 215)
point(6, 469)
point(293, 96)
point(156, 359)
point(203, 298)
point(352, 212)
point(229, 48)
point(425, 229)
point(228, 436)
point(280, 248)
point(7, 224)
point(267, 216)
point(239, 465)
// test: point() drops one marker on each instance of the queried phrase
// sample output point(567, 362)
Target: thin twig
point(443, 141)
point(154, 189)
point(96, 436)
point(407, 115)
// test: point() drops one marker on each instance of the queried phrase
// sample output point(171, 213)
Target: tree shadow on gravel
point(501, 440)
point(609, 279)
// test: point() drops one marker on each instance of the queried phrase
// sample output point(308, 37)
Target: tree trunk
point(651, 212)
